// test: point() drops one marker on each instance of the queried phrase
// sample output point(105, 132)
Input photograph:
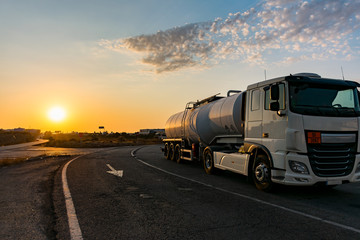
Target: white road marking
point(74, 227)
point(250, 198)
point(118, 173)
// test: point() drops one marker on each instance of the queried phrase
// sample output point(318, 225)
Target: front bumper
point(288, 177)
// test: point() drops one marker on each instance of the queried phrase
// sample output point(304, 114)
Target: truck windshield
point(324, 100)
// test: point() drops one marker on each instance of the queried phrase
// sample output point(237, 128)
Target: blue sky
point(134, 63)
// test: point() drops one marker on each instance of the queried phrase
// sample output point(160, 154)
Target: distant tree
point(47, 135)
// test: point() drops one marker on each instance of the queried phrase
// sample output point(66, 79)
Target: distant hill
point(16, 136)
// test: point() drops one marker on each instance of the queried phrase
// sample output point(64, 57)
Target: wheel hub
point(261, 172)
point(207, 162)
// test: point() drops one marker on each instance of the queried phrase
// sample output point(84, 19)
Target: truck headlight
point(298, 167)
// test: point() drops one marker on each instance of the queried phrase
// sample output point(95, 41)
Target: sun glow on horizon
point(56, 114)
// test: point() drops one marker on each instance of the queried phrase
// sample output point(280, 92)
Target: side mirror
point(274, 92)
point(275, 106)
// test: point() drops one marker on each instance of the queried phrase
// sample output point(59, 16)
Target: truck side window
point(345, 98)
point(281, 98)
point(255, 100)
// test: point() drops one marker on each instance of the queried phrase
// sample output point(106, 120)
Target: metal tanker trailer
point(201, 123)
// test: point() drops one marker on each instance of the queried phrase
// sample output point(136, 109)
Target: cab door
point(274, 122)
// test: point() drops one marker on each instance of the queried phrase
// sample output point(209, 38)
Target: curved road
point(159, 199)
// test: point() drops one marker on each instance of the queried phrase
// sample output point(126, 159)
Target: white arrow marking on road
point(118, 173)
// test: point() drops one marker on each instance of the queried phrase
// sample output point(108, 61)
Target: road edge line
point(74, 227)
point(248, 197)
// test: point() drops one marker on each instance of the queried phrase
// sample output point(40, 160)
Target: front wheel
point(262, 173)
point(208, 161)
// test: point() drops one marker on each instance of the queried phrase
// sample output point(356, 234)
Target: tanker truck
point(300, 129)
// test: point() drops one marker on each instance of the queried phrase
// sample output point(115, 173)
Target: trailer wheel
point(208, 161)
point(167, 151)
point(177, 153)
point(262, 173)
point(172, 152)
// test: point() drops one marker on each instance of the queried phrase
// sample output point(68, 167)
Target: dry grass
point(11, 161)
point(93, 140)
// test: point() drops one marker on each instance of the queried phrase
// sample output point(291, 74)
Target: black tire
point(177, 153)
point(208, 161)
point(261, 173)
point(172, 152)
point(167, 151)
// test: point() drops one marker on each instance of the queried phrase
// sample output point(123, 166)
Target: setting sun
point(57, 114)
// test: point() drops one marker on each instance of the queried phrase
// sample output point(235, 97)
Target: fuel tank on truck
point(204, 122)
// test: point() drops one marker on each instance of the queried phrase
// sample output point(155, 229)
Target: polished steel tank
point(203, 123)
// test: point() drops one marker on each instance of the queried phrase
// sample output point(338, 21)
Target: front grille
point(332, 159)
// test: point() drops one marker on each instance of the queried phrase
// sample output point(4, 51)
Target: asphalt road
point(31, 150)
point(159, 199)
point(26, 202)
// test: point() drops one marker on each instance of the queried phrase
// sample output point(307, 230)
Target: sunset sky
point(130, 64)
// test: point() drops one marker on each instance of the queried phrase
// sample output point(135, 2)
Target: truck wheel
point(167, 151)
point(177, 153)
point(208, 161)
point(172, 152)
point(262, 173)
